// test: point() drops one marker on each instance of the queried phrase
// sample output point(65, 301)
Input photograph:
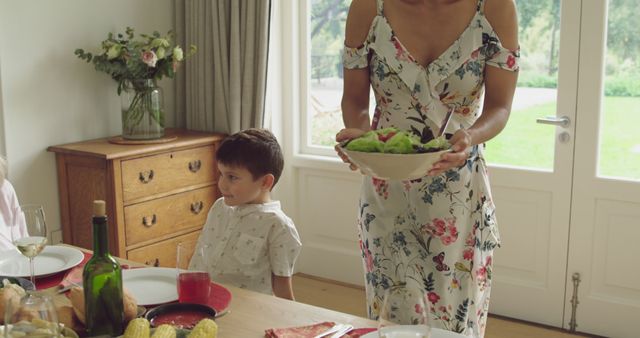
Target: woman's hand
point(460, 150)
point(345, 135)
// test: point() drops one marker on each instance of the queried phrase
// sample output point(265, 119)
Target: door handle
point(563, 121)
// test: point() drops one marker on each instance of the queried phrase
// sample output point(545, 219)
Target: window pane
point(523, 142)
point(326, 33)
point(619, 137)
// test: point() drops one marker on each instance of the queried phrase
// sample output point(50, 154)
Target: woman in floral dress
point(438, 233)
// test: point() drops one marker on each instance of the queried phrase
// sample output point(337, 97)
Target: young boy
point(248, 241)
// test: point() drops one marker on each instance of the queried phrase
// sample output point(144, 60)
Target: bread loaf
point(10, 295)
point(77, 301)
point(67, 317)
point(76, 296)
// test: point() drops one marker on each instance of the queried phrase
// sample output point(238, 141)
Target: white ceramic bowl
point(394, 166)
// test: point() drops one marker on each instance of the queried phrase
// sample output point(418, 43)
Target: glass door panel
point(523, 142)
point(619, 142)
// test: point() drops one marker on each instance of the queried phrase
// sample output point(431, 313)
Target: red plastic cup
point(193, 286)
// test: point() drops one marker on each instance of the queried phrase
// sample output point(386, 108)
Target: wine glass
point(31, 217)
point(193, 284)
point(404, 313)
point(34, 315)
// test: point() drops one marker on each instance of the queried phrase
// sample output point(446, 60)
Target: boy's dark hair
point(255, 149)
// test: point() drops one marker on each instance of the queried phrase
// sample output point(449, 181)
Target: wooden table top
point(251, 313)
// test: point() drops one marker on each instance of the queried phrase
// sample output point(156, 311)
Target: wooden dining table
point(251, 313)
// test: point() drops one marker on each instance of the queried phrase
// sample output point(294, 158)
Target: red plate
point(219, 297)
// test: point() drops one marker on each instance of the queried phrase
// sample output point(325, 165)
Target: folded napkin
point(311, 331)
point(73, 277)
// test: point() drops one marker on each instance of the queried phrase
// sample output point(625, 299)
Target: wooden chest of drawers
point(157, 194)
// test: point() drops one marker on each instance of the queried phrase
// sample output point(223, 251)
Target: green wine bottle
point(102, 282)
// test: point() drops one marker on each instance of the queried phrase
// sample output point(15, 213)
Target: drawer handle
point(196, 207)
point(146, 176)
point(149, 221)
point(155, 262)
point(194, 166)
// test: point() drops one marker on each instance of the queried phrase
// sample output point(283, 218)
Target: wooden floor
point(351, 300)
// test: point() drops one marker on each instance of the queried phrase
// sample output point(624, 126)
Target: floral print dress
point(435, 233)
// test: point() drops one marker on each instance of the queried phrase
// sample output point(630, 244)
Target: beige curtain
point(225, 81)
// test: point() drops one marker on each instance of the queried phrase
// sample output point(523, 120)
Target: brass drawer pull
point(146, 176)
point(155, 262)
point(194, 166)
point(196, 207)
point(149, 221)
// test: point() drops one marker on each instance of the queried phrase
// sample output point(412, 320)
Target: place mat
point(310, 331)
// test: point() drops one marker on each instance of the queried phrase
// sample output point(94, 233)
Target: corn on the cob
point(137, 328)
point(164, 331)
point(206, 328)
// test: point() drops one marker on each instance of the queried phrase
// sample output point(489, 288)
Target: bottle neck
point(100, 236)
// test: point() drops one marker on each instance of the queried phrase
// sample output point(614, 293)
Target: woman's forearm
point(488, 125)
point(355, 115)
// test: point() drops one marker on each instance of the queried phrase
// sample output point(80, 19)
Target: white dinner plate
point(151, 286)
point(435, 333)
point(51, 260)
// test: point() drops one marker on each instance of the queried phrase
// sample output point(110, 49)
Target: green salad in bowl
point(394, 154)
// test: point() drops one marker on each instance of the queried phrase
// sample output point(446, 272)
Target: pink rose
point(446, 240)
point(369, 260)
point(468, 254)
point(439, 227)
point(481, 274)
point(150, 58)
point(453, 231)
point(511, 61)
point(471, 240)
point(433, 297)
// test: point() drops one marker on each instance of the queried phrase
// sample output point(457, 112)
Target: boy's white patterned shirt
point(244, 245)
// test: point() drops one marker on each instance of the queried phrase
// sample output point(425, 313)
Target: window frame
point(304, 141)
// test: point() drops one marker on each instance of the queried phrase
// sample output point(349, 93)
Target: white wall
point(319, 193)
point(49, 96)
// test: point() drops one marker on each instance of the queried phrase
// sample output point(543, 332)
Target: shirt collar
point(246, 209)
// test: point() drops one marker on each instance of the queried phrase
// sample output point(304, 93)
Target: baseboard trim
point(543, 326)
point(331, 281)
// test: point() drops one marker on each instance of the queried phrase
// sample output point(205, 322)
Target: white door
point(605, 217)
point(531, 167)
point(559, 209)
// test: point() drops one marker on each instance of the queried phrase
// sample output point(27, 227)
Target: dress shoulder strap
point(480, 6)
point(380, 7)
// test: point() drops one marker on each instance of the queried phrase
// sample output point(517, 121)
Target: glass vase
point(142, 110)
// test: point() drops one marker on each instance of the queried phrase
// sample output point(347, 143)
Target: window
point(324, 27)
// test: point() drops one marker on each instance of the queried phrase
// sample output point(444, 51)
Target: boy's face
point(238, 186)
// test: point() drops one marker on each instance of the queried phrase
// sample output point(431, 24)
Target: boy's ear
point(267, 181)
